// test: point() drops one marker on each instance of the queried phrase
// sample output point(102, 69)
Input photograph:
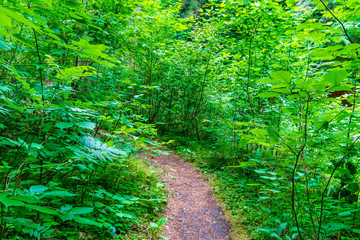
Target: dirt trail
point(192, 211)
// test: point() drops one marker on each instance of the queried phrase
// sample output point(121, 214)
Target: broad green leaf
point(81, 210)
point(63, 125)
point(282, 76)
point(281, 88)
point(281, 228)
point(340, 88)
point(270, 178)
point(5, 21)
point(67, 207)
point(37, 189)
point(346, 213)
point(20, 109)
point(58, 194)
point(87, 125)
point(290, 3)
point(27, 199)
point(76, 73)
point(307, 85)
point(154, 225)
point(319, 86)
point(87, 221)
point(272, 134)
point(126, 215)
point(65, 216)
point(8, 202)
point(94, 51)
point(335, 77)
point(42, 209)
point(356, 230)
point(281, 85)
point(258, 132)
point(275, 235)
point(4, 45)
point(322, 53)
point(9, 142)
point(162, 221)
point(18, 17)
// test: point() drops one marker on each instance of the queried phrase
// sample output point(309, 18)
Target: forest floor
point(192, 210)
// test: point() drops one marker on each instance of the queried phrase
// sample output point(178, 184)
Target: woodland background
point(260, 94)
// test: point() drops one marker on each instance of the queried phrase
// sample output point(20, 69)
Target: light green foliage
point(68, 119)
point(269, 87)
point(155, 227)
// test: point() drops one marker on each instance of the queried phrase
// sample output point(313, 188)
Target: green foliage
point(271, 90)
point(270, 87)
point(155, 227)
point(68, 120)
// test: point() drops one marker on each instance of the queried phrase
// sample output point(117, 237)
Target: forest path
point(192, 211)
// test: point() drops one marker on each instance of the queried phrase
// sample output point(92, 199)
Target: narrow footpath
point(192, 211)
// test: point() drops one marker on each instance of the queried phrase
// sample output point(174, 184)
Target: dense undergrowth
point(259, 206)
point(269, 87)
point(68, 127)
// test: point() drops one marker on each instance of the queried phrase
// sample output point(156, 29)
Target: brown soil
point(192, 211)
